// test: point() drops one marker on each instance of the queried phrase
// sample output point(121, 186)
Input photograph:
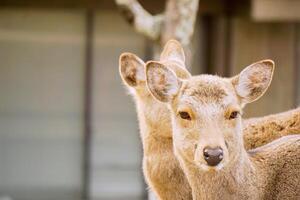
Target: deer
point(207, 127)
point(160, 167)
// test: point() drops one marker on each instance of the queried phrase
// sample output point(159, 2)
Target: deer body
point(262, 130)
point(264, 173)
point(208, 135)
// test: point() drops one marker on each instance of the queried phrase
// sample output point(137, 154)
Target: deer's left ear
point(253, 81)
point(162, 82)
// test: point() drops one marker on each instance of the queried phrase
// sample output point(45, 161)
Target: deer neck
point(230, 182)
point(155, 125)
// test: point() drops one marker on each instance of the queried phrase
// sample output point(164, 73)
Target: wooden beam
point(90, 16)
point(297, 64)
point(275, 10)
point(218, 45)
point(153, 6)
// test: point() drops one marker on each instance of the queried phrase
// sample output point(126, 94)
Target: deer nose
point(213, 156)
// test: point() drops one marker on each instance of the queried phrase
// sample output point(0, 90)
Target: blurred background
point(68, 130)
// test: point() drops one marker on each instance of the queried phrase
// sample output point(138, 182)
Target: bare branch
point(142, 21)
point(180, 20)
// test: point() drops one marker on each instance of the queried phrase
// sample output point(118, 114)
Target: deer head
point(132, 68)
point(206, 110)
point(132, 72)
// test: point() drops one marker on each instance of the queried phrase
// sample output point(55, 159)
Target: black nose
point(213, 156)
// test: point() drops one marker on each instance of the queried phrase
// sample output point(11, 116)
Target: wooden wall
point(41, 104)
point(252, 42)
point(116, 147)
point(297, 43)
point(234, 42)
point(224, 42)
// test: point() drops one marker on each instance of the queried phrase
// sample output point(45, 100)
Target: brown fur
point(269, 172)
point(160, 166)
point(280, 161)
point(205, 91)
point(161, 169)
point(260, 131)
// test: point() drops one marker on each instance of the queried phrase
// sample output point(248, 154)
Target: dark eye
point(185, 115)
point(233, 115)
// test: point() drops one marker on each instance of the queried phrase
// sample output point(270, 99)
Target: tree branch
point(143, 21)
point(180, 17)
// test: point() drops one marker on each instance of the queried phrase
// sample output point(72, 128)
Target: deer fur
point(160, 167)
point(206, 112)
point(159, 162)
point(262, 130)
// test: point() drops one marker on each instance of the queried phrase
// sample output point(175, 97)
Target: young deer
point(208, 135)
point(161, 169)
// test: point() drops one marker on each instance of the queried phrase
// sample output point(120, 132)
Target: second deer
point(208, 141)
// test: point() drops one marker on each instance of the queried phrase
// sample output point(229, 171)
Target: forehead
point(208, 89)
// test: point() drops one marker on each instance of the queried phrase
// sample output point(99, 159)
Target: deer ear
point(173, 51)
point(131, 69)
point(253, 81)
point(161, 81)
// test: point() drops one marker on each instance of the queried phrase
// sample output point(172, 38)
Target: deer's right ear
point(173, 51)
point(161, 81)
point(132, 69)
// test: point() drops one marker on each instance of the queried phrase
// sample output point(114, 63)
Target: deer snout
point(213, 156)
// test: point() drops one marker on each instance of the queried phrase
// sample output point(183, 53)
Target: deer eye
point(234, 115)
point(185, 115)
